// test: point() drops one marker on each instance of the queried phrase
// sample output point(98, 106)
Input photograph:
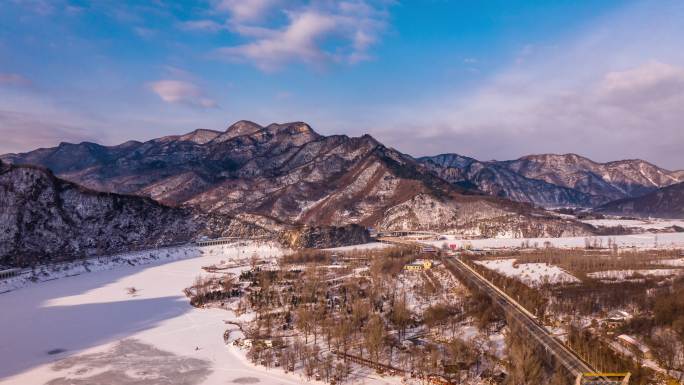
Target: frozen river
point(88, 329)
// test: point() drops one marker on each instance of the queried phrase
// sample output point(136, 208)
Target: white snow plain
point(531, 274)
point(623, 274)
point(641, 241)
point(89, 323)
point(363, 246)
point(653, 223)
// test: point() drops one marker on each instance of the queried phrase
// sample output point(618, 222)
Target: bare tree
point(374, 333)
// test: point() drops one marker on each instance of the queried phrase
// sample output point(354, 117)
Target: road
point(573, 363)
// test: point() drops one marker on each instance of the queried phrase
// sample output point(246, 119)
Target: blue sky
point(489, 79)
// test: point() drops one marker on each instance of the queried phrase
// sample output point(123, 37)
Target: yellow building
point(419, 265)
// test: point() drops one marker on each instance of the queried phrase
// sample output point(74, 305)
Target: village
point(399, 311)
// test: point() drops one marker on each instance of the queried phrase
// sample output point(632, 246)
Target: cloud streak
point(181, 92)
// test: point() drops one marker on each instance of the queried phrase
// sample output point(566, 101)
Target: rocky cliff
point(43, 218)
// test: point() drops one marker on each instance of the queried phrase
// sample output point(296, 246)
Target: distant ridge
point(552, 180)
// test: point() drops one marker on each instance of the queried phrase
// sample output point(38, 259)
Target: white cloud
point(313, 33)
point(181, 92)
point(298, 41)
point(202, 25)
point(652, 82)
point(246, 10)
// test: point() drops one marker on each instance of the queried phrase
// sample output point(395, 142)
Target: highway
point(573, 363)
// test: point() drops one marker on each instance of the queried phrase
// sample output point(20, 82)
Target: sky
point(494, 79)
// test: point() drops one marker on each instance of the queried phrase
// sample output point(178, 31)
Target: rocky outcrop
point(325, 236)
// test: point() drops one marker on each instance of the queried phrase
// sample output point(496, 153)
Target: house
point(616, 318)
point(632, 344)
point(419, 265)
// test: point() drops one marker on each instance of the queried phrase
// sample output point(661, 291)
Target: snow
point(92, 313)
point(135, 258)
point(70, 269)
point(363, 246)
point(642, 241)
point(672, 262)
point(645, 224)
point(622, 274)
point(531, 274)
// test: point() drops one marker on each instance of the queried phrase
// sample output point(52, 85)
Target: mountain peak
point(557, 157)
point(292, 128)
point(200, 136)
point(243, 127)
point(239, 128)
point(297, 133)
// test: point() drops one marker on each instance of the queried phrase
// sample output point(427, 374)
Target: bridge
point(406, 233)
point(226, 240)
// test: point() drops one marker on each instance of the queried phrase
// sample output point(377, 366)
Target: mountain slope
point(614, 180)
point(667, 202)
point(494, 179)
point(46, 219)
point(290, 173)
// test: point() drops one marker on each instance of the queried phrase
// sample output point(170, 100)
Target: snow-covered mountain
point(292, 174)
point(667, 202)
point(554, 180)
point(498, 180)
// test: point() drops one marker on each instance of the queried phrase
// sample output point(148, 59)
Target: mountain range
point(307, 189)
point(289, 173)
point(551, 180)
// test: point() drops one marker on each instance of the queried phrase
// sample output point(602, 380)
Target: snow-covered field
point(531, 274)
point(643, 241)
point(622, 274)
point(364, 246)
point(70, 269)
point(638, 223)
point(672, 262)
point(88, 329)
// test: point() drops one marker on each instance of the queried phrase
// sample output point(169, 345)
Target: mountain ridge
point(666, 202)
point(290, 172)
point(555, 180)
